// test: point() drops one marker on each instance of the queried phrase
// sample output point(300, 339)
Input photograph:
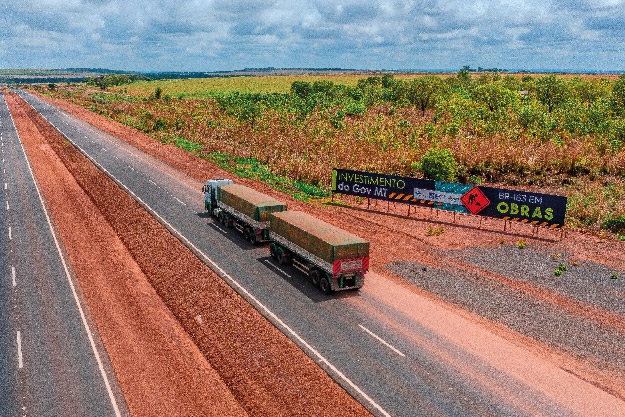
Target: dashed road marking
point(152, 182)
point(20, 359)
point(83, 317)
point(180, 201)
point(220, 229)
point(10, 233)
point(388, 345)
point(275, 268)
point(311, 351)
point(13, 280)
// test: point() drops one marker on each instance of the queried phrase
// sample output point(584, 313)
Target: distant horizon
point(334, 69)
point(580, 36)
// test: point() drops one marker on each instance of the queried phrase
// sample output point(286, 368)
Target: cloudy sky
point(210, 35)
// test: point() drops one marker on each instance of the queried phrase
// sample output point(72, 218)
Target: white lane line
point(7, 205)
point(180, 201)
point(270, 315)
point(220, 229)
point(5, 185)
point(10, 233)
point(131, 167)
point(13, 276)
point(275, 268)
point(152, 182)
point(20, 360)
point(71, 284)
point(381, 340)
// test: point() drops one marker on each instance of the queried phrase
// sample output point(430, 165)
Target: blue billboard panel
point(538, 209)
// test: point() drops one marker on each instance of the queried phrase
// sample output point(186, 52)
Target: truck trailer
point(334, 259)
point(241, 207)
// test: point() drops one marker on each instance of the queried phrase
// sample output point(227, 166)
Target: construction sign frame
point(537, 209)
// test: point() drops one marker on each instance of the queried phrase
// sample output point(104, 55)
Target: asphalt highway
point(397, 353)
point(51, 360)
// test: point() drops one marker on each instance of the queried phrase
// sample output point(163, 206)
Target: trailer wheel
point(324, 284)
point(250, 235)
point(272, 251)
point(315, 277)
point(281, 256)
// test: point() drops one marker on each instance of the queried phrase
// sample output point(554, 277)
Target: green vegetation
point(438, 165)
point(435, 231)
point(554, 134)
point(111, 80)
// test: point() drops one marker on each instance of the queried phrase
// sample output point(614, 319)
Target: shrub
point(615, 224)
point(439, 165)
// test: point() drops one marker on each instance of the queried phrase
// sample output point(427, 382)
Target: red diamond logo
point(475, 200)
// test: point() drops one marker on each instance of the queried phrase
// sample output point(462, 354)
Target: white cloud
point(340, 33)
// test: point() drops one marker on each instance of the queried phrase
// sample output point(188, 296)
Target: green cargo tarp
point(249, 201)
point(324, 240)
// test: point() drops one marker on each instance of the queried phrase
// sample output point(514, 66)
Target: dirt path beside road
point(181, 341)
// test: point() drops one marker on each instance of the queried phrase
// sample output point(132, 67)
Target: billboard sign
point(527, 207)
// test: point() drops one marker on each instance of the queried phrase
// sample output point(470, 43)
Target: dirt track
point(181, 341)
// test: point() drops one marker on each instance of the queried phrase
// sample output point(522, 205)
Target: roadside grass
point(251, 168)
point(293, 144)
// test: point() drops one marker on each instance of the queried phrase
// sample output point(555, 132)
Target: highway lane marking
point(13, 276)
point(10, 233)
point(131, 167)
point(271, 316)
point(152, 182)
point(5, 184)
point(388, 345)
point(7, 205)
point(69, 280)
point(321, 360)
point(220, 229)
point(180, 201)
point(20, 360)
point(276, 268)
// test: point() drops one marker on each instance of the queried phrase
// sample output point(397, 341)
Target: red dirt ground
point(231, 362)
point(387, 233)
point(392, 232)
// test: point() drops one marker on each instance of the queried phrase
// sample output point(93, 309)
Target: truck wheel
point(222, 218)
point(315, 277)
point(281, 256)
point(324, 284)
point(251, 236)
point(272, 251)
